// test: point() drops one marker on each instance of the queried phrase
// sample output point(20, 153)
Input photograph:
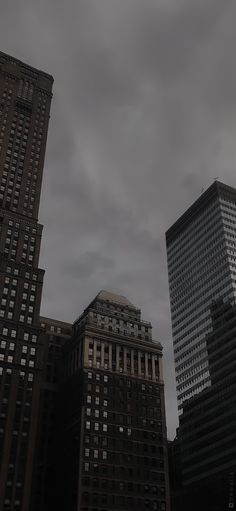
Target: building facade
point(113, 432)
point(25, 97)
point(201, 248)
point(201, 252)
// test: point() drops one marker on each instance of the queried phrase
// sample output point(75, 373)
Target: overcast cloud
point(143, 118)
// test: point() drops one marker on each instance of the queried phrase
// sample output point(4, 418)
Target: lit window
point(104, 427)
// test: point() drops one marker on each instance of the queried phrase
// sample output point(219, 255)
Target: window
point(104, 455)
point(87, 424)
point(95, 453)
point(104, 427)
point(88, 399)
point(86, 452)
point(96, 426)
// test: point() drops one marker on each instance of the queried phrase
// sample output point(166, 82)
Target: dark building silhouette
point(25, 97)
point(56, 333)
point(202, 268)
point(113, 431)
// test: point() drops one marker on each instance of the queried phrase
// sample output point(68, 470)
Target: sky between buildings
point(143, 118)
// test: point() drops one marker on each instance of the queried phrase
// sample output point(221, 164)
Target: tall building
point(201, 252)
point(25, 97)
point(112, 432)
point(201, 249)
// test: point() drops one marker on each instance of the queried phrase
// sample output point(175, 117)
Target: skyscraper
point(201, 251)
point(25, 97)
point(111, 432)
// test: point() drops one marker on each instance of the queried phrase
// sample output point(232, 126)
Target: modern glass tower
point(25, 97)
point(201, 251)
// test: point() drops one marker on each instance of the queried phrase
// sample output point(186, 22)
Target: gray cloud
point(143, 117)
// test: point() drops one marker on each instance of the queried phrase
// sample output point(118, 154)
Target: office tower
point(201, 252)
point(25, 97)
point(112, 429)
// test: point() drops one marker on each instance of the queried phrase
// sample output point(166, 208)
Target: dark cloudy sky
point(143, 118)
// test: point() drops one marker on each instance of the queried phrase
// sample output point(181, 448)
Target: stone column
point(153, 368)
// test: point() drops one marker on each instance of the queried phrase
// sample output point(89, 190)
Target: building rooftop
point(114, 298)
point(215, 190)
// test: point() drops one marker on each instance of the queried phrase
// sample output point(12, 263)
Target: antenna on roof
point(215, 178)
